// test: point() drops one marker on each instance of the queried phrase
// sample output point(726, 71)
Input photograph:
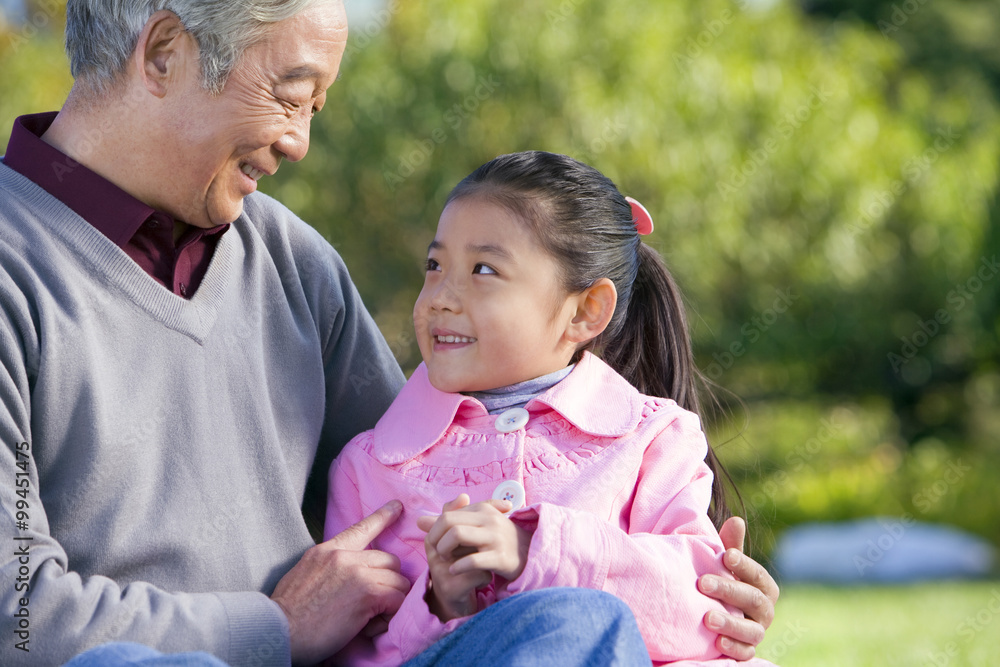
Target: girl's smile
point(444, 340)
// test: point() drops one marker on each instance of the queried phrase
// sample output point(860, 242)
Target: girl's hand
point(755, 594)
point(465, 546)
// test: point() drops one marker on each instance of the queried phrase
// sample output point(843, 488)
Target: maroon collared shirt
point(146, 235)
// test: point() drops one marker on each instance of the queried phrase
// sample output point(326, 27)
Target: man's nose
point(294, 143)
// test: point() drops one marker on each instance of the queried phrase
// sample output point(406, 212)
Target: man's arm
point(361, 373)
point(48, 612)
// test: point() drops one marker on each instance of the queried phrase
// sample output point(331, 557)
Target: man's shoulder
point(273, 220)
point(294, 247)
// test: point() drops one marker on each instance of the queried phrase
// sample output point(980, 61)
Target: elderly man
point(181, 359)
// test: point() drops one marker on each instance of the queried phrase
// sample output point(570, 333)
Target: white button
point(512, 491)
point(512, 420)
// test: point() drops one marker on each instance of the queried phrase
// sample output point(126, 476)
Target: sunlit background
point(824, 179)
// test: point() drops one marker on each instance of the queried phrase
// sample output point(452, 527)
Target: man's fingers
point(750, 571)
point(331, 593)
point(382, 560)
point(388, 573)
point(734, 649)
point(361, 534)
point(751, 601)
point(394, 589)
point(733, 531)
point(739, 630)
point(376, 626)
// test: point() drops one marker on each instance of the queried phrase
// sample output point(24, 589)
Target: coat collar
point(594, 398)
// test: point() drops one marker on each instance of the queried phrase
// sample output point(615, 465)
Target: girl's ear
point(594, 308)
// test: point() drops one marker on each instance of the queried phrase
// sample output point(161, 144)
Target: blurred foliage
point(34, 73)
point(825, 191)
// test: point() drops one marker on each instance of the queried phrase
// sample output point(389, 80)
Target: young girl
point(536, 446)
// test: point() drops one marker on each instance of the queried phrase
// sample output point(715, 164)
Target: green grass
point(933, 624)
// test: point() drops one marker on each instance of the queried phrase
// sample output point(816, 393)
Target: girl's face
point(492, 311)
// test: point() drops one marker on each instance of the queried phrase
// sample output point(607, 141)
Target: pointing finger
point(361, 534)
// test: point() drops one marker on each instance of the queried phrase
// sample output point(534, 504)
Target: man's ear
point(594, 308)
point(162, 52)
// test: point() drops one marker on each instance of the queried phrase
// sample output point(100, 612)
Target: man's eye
point(293, 107)
point(483, 269)
point(431, 265)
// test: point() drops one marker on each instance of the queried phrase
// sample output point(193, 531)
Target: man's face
point(226, 142)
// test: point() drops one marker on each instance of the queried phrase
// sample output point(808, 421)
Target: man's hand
point(755, 594)
point(339, 586)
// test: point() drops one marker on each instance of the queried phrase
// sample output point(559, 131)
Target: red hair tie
point(643, 221)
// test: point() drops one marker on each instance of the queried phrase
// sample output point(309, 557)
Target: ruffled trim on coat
point(547, 426)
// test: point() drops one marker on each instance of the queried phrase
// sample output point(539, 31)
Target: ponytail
point(584, 222)
point(652, 350)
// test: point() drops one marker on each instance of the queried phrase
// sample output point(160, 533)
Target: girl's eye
point(431, 265)
point(482, 269)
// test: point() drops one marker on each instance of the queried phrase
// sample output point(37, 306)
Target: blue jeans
point(122, 654)
point(577, 627)
point(554, 626)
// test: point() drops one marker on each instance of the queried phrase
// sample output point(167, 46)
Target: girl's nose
point(446, 297)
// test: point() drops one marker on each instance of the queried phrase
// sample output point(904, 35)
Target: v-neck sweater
point(166, 443)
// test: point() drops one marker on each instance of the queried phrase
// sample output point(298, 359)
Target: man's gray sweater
point(155, 451)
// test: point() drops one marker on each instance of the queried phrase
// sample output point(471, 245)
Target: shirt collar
point(114, 212)
point(594, 398)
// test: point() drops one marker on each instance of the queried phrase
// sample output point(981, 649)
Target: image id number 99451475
point(22, 542)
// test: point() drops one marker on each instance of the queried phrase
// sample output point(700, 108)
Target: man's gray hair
point(101, 34)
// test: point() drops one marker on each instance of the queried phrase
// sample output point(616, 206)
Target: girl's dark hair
point(581, 219)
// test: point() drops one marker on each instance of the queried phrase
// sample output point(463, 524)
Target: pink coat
point(616, 496)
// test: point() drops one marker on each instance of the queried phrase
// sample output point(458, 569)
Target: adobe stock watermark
point(912, 170)
point(565, 9)
point(361, 37)
point(612, 130)
point(790, 123)
point(892, 532)
point(789, 638)
point(900, 16)
point(373, 369)
point(751, 332)
point(711, 30)
point(797, 460)
point(85, 144)
point(955, 301)
point(967, 629)
point(34, 22)
point(925, 499)
point(453, 119)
